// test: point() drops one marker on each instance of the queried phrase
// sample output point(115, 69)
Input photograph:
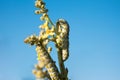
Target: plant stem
point(61, 64)
point(50, 20)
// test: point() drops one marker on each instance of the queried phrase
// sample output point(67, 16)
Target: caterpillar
point(62, 30)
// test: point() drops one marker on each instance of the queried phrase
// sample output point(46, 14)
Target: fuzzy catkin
point(49, 64)
point(62, 28)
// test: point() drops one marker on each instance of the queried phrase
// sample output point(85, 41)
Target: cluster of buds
point(39, 72)
point(41, 5)
point(59, 34)
point(32, 40)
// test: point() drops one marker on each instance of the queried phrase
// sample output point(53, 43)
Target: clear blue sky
point(94, 38)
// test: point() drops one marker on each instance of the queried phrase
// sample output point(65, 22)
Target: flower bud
point(37, 12)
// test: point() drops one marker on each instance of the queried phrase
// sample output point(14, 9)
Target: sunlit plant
point(46, 68)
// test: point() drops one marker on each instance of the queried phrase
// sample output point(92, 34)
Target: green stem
point(61, 64)
point(48, 18)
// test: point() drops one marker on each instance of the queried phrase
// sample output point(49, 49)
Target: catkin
point(49, 64)
point(62, 28)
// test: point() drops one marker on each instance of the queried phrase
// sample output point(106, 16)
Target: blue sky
point(94, 38)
